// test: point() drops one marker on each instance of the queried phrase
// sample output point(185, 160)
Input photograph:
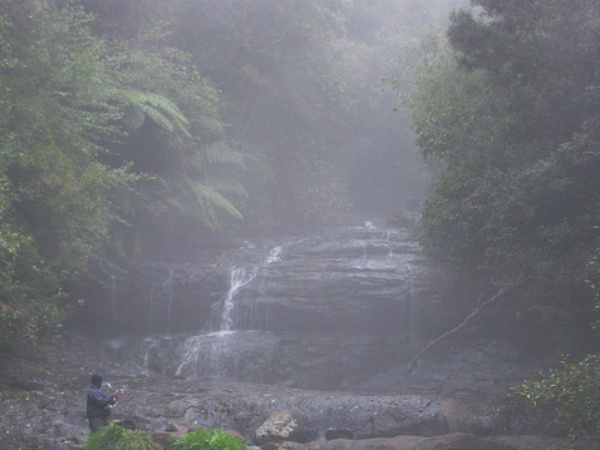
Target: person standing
point(97, 405)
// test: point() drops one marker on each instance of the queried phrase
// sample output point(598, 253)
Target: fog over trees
point(510, 107)
point(140, 128)
point(511, 110)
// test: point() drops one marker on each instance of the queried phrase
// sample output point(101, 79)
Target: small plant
point(115, 437)
point(208, 440)
point(573, 393)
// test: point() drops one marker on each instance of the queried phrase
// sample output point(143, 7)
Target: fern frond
point(202, 201)
point(211, 125)
point(181, 206)
point(157, 117)
point(131, 96)
point(227, 185)
point(221, 153)
point(166, 105)
point(158, 108)
point(210, 197)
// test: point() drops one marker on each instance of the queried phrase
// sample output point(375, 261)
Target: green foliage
point(32, 304)
point(449, 226)
point(511, 112)
point(572, 393)
point(55, 208)
point(182, 147)
point(158, 108)
point(115, 437)
point(208, 440)
point(457, 114)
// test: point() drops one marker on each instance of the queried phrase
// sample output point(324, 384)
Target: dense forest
point(509, 106)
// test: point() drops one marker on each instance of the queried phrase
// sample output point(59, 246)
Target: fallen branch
point(480, 307)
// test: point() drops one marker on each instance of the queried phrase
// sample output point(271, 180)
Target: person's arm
point(97, 398)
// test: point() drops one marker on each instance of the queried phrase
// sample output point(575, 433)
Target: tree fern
point(221, 153)
point(158, 108)
point(210, 198)
point(202, 201)
point(227, 185)
point(157, 117)
point(163, 103)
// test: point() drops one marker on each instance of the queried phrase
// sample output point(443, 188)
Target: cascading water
point(114, 306)
point(211, 354)
point(239, 278)
point(411, 312)
point(169, 291)
point(150, 309)
point(337, 306)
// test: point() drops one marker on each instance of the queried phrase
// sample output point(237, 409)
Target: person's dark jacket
point(96, 404)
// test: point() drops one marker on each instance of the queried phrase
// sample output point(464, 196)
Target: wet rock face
point(359, 279)
point(333, 434)
point(45, 409)
point(226, 341)
point(152, 299)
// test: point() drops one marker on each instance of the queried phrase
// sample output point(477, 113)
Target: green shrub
point(573, 393)
point(115, 437)
point(208, 440)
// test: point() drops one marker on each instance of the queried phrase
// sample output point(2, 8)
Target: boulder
point(282, 426)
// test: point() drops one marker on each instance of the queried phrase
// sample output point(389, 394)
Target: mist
point(299, 225)
point(306, 99)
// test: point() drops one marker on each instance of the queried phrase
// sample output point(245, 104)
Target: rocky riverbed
point(43, 390)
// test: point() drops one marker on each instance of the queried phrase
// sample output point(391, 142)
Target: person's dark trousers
point(97, 422)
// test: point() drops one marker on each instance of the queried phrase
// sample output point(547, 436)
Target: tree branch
point(480, 307)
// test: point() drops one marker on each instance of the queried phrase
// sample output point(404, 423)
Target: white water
point(169, 291)
point(239, 278)
point(208, 354)
point(114, 307)
point(151, 301)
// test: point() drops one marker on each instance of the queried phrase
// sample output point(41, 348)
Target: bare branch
point(480, 307)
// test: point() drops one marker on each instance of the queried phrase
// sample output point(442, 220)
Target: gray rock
point(282, 426)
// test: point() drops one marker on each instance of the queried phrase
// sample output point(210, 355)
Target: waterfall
point(151, 301)
point(114, 307)
point(238, 279)
point(212, 354)
point(274, 255)
point(348, 297)
point(411, 312)
point(169, 291)
point(153, 344)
